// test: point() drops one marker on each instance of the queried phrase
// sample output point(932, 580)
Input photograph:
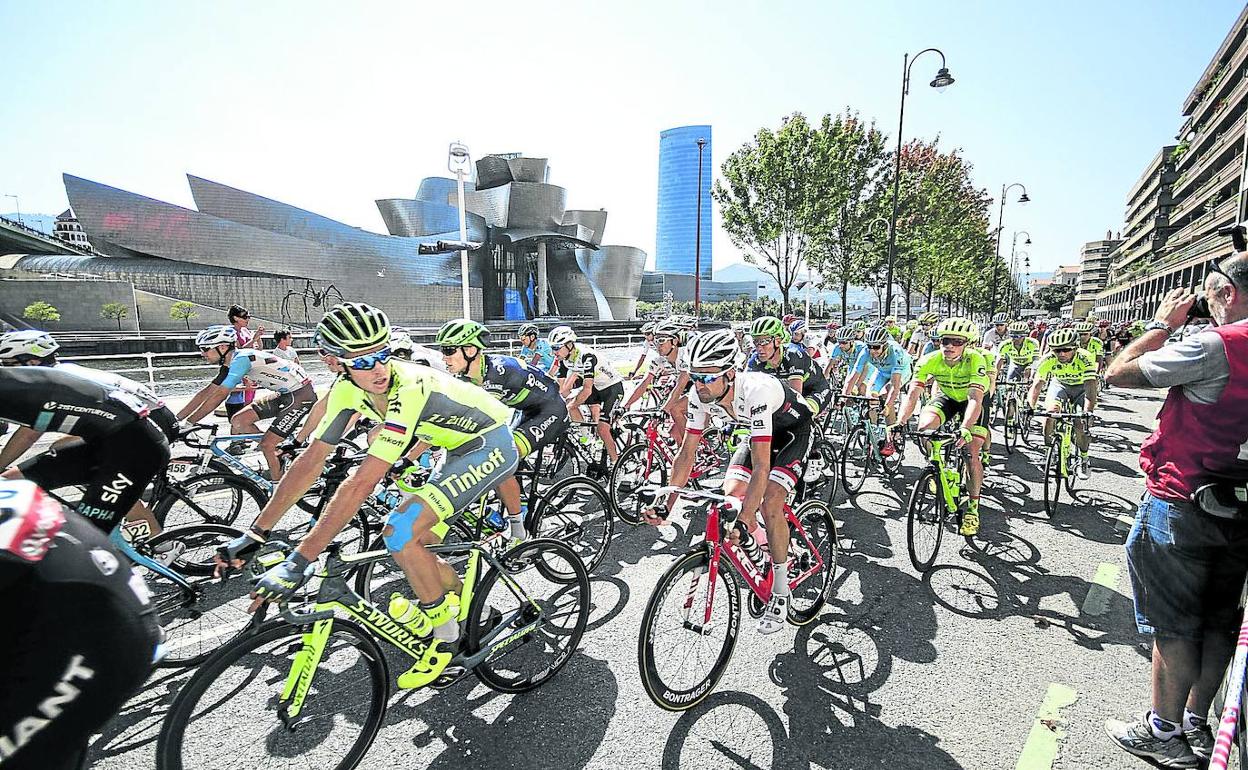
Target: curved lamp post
point(992, 310)
point(942, 81)
point(457, 161)
point(1014, 255)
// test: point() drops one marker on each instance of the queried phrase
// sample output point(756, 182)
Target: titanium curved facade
point(675, 244)
point(616, 271)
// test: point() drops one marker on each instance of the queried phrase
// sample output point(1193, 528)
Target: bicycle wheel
point(925, 520)
point(681, 654)
point(1024, 426)
point(546, 598)
point(377, 579)
point(820, 472)
point(1011, 427)
point(561, 461)
point(231, 707)
point(575, 511)
point(1074, 463)
point(214, 498)
point(811, 593)
point(637, 467)
point(200, 616)
point(1052, 477)
point(855, 460)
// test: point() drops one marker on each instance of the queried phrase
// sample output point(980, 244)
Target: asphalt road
point(1006, 655)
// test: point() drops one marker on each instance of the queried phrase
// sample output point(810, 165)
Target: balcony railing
point(1192, 173)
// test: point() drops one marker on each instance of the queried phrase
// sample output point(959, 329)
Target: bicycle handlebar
point(731, 502)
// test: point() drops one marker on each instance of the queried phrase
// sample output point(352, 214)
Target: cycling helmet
point(892, 319)
point(673, 328)
point(999, 318)
point(767, 326)
point(957, 327)
point(30, 342)
point(527, 329)
point(401, 345)
point(1103, 323)
point(648, 327)
point(351, 327)
point(1018, 328)
point(927, 319)
point(561, 335)
point(797, 326)
point(912, 324)
point(845, 334)
point(216, 335)
point(1084, 327)
point(787, 319)
point(878, 335)
point(715, 349)
point(687, 322)
point(860, 325)
point(463, 331)
point(833, 325)
point(1063, 339)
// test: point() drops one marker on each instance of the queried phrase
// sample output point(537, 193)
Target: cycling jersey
point(850, 357)
point(895, 360)
point(422, 403)
point(158, 412)
point(266, 369)
point(1080, 369)
point(1022, 355)
point(586, 362)
point(795, 363)
point(535, 396)
point(1094, 346)
point(769, 404)
point(54, 399)
point(955, 380)
point(545, 354)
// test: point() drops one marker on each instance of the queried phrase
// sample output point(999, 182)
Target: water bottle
point(408, 613)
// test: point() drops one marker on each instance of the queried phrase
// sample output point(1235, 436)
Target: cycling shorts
point(881, 381)
point(1015, 371)
point(78, 622)
point(608, 398)
point(788, 451)
point(532, 431)
point(1059, 391)
point(287, 410)
point(951, 409)
point(115, 469)
point(468, 472)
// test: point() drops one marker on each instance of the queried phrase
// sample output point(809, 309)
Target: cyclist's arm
point(195, 401)
point(677, 391)
point(641, 359)
point(641, 388)
point(344, 505)
point(21, 441)
point(587, 387)
point(974, 405)
point(895, 381)
point(415, 452)
point(210, 398)
point(314, 419)
point(851, 382)
point(682, 466)
point(911, 401)
point(295, 483)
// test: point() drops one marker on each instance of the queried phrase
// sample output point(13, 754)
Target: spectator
point(282, 347)
point(239, 319)
point(1187, 551)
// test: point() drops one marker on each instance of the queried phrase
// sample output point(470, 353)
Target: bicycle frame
point(950, 481)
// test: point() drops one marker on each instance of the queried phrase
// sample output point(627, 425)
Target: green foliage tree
point(41, 313)
point(1054, 296)
point(115, 311)
point(183, 311)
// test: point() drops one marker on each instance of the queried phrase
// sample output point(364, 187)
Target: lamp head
point(1023, 198)
point(1028, 241)
point(942, 80)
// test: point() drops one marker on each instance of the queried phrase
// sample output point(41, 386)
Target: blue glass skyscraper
point(678, 200)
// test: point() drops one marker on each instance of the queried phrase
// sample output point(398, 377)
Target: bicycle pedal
point(454, 672)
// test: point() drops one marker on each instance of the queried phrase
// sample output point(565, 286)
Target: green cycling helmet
point(352, 327)
point(463, 331)
point(1063, 339)
point(768, 326)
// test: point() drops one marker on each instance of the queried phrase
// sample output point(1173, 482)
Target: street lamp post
point(697, 241)
point(1014, 255)
point(18, 203)
point(1001, 226)
point(942, 81)
point(457, 162)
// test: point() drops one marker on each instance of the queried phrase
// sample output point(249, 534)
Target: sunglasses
point(875, 347)
point(1017, 335)
point(1063, 350)
point(952, 342)
point(706, 379)
point(760, 341)
point(366, 362)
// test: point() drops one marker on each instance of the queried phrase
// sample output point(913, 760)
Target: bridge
point(17, 238)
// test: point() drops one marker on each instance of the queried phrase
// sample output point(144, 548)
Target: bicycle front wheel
point(855, 460)
point(576, 511)
point(544, 599)
point(681, 653)
point(1011, 427)
point(817, 545)
point(637, 468)
point(213, 498)
point(925, 520)
point(1053, 477)
point(231, 707)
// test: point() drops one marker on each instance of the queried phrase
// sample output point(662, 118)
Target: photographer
point(1188, 550)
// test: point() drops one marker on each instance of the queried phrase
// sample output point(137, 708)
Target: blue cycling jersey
point(542, 349)
point(896, 360)
point(836, 352)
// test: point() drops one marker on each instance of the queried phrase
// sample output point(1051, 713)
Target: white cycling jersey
point(587, 362)
point(265, 369)
point(760, 399)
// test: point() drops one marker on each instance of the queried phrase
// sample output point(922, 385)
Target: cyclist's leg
point(601, 413)
point(287, 417)
point(1052, 403)
point(531, 435)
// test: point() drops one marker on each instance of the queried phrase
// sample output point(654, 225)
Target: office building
point(676, 243)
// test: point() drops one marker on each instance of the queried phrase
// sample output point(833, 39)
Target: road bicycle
point(692, 619)
point(939, 498)
point(1063, 460)
point(314, 684)
point(1232, 733)
point(1015, 418)
point(862, 453)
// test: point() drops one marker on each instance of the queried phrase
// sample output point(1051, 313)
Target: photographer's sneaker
point(1200, 740)
point(1137, 738)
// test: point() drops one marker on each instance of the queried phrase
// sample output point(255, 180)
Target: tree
point(41, 312)
point(183, 311)
point(115, 311)
point(769, 199)
point(1054, 296)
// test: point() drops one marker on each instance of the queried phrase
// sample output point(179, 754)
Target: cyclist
point(80, 635)
point(534, 350)
point(997, 334)
point(890, 324)
point(670, 365)
point(287, 405)
point(541, 415)
point(763, 472)
point(117, 450)
point(1020, 351)
point(889, 371)
point(401, 345)
point(799, 335)
point(788, 362)
point(846, 353)
point(600, 387)
point(744, 344)
point(921, 339)
point(1090, 342)
point(647, 348)
point(410, 402)
point(962, 374)
point(1073, 370)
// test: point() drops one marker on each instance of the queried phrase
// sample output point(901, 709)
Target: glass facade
point(675, 245)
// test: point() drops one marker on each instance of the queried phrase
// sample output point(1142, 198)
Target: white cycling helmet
point(716, 349)
point(401, 342)
point(216, 335)
point(28, 342)
point(562, 335)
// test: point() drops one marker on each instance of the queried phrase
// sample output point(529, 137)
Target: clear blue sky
point(332, 105)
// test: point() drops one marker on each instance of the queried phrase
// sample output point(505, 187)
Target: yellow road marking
point(1048, 730)
point(1103, 587)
